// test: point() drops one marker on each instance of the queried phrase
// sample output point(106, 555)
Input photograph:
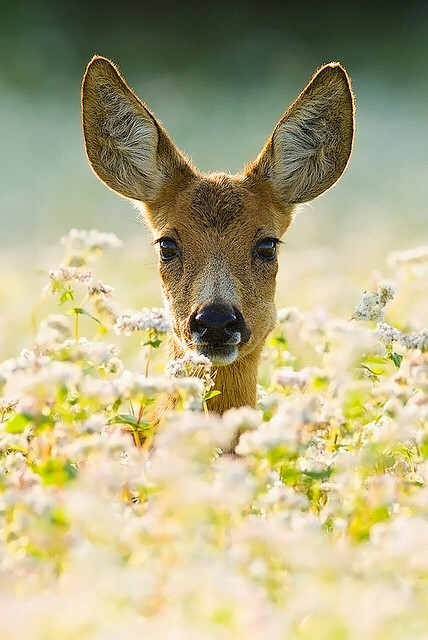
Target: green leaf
point(116, 404)
point(44, 423)
point(18, 423)
point(67, 295)
point(59, 516)
point(224, 616)
point(211, 394)
point(153, 342)
point(280, 340)
point(83, 312)
point(127, 418)
point(396, 358)
point(320, 382)
point(289, 475)
point(278, 455)
point(124, 418)
point(323, 474)
point(56, 286)
point(56, 471)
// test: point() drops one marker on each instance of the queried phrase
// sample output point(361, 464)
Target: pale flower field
point(305, 519)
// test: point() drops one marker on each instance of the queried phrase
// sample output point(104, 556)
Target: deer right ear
point(126, 147)
point(311, 144)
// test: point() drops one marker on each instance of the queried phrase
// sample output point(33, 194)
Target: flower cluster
point(414, 340)
point(84, 246)
point(99, 289)
point(154, 319)
point(371, 305)
point(131, 511)
point(65, 275)
point(414, 261)
point(193, 365)
point(289, 377)
point(190, 364)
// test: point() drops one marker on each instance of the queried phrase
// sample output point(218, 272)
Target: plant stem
point(148, 361)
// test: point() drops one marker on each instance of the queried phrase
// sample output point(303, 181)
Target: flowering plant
point(303, 519)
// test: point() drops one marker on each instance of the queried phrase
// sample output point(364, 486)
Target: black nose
point(218, 324)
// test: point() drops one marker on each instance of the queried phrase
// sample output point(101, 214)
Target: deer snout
point(218, 325)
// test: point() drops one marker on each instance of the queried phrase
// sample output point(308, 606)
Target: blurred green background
point(218, 75)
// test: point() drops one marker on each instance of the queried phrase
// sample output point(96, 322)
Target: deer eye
point(168, 249)
point(266, 249)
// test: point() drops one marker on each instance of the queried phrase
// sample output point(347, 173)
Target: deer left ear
point(311, 144)
point(126, 146)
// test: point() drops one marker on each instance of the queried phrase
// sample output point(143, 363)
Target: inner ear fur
point(311, 144)
point(126, 146)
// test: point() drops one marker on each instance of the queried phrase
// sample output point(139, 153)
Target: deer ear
point(311, 144)
point(126, 147)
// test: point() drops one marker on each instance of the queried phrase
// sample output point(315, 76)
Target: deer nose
point(218, 324)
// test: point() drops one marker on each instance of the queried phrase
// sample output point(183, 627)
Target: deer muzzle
point(217, 332)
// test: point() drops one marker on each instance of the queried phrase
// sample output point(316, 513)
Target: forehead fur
point(217, 201)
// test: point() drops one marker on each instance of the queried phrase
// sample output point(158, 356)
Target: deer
point(217, 235)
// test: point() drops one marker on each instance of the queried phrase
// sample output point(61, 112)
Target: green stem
point(148, 361)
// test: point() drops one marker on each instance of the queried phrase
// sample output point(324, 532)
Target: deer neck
point(237, 382)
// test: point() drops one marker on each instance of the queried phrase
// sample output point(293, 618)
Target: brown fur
point(217, 219)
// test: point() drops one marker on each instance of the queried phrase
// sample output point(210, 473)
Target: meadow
point(302, 519)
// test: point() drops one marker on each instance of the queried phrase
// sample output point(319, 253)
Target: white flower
point(189, 430)
point(97, 353)
point(280, 494)
point(28, 354)
point(242, 419)
point(105, 309)
point(105, 391)
point(381, 490)
point(288, 377)
point(388, 333)
point(65, 274)
point(151, 386)
point(281, 430)
point(191, 386)
point(43, 379)
point(93, 424)
point(100, 289)
point(371, 305)
point(289, 314)
point(155, 319)
point(414, 340)
point(190, 364)
point(414, 260)
point(53, 330)
point(113, 365)
point(78, 241)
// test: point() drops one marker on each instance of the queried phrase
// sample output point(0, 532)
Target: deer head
point(217, 235)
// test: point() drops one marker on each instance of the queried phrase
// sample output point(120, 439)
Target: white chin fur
point(219, 359)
